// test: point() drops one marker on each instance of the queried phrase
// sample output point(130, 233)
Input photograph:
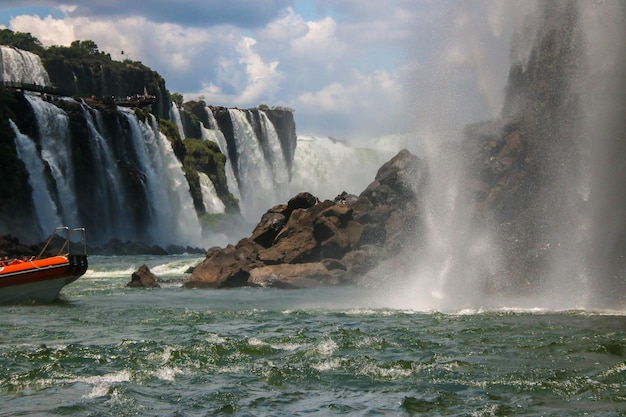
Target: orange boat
point(40, 279)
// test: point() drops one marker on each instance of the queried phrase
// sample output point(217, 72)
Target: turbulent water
point(108, 350)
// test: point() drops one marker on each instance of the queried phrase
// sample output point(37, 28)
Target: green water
point(109, 350)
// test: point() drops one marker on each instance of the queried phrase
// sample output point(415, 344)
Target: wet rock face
point(307, 243)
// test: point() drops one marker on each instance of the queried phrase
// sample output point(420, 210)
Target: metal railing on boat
point(68, 246)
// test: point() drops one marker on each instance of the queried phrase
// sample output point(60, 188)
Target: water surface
point(108, 350)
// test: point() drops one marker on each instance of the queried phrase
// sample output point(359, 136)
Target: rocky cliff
point(86, 160)
point(538, 171)
point(84, 71)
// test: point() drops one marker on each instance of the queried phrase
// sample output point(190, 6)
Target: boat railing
point(68, 243)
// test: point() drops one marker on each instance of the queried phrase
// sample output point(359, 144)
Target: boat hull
point(39, 280)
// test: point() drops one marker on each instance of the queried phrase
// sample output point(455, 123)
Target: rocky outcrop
point(307, 243)
point(143, 278)
point(11, 247)
point(524, 166)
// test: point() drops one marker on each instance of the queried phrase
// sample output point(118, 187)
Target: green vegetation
point(177, 99)
point(24, 41)
point(205, 156)
point(170, 131)
point(265, 107)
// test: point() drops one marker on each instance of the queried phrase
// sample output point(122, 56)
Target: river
point(109, 350)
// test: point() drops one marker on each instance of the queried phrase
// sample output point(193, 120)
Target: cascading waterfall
point(212, 122)
point(185, 224)
point(273, 151)
point(21, 67)
point(56, 151)
point(218, 137)
point(45, 207)
point(107, 189)
point(255, 178)
point(212, 202)
point(214, 134)
point(157, 209)
point(172, 216)
point(327, 167)
point(594, 252)
point(175, 116)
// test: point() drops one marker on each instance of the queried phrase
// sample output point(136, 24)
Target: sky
point(351, 69)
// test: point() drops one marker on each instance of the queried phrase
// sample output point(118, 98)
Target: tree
point(21, 40)
point(177, 99)
point(89, 46)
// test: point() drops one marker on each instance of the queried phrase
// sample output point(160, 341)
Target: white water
point(56, 151)
point(108, 189)
point(586, 271)
point(175, 116)
point(185, 224)
point(459, 267)
point(173, 217)
point(22, 67)
point(212, 202)
point(274, 152)
point(326, 167)
point(256, 182)
point(212, 121)
point(215, 135)
point(45, 208)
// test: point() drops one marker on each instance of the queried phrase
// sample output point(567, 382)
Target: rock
point(295, 243)
point(360, 261)
point(306, 275)
point(228, 267)
point(270, 225)
point(143, 278)
point(117, 247)
point(10, 246)
point(300, 201)
point(307, 243)
point(345, 199)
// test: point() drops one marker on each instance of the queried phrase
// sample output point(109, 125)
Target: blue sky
point(351, 69)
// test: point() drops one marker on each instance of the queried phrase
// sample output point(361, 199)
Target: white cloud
point(285, 28)
point(319, 40)
point(48, 30)
point(356, 71)
point(263, 79)
point(371, 103)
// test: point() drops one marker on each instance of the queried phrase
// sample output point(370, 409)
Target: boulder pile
point(307, 242)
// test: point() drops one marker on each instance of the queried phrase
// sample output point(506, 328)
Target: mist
point(558, 243)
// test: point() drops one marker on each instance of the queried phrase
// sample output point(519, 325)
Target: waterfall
point(212, 122)
point(212, 202)
point(274, 153)
point(108, 188)
point(130, 183)
point(172, 216)
point(564, 224)
point(595, 216)
point(255, 179)
point(56, 151)
point(327, 167)
point(175, 116)
point(217, 136)
point(21, 67)
point(45, 207)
